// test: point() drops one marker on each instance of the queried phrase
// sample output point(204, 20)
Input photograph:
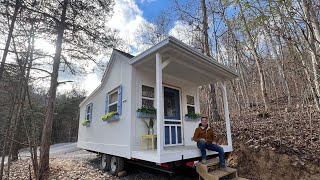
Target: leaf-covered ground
point(60, 169)
point(285, 146)
point(291, 133)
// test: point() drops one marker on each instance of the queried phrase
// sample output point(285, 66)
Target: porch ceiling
point(185, 63)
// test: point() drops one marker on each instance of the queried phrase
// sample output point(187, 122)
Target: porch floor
point(172, 153)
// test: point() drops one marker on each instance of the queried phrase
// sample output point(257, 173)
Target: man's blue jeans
point(202, 145)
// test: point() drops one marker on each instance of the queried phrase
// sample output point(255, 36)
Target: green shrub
point(147, 110)
point(193, 115)
point(108, 115)
point(84, 122)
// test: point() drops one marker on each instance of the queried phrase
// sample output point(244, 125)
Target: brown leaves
point(288, 133)
point(61, 169)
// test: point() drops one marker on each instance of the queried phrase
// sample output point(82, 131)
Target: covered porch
point(172, 62)
point(172, 153)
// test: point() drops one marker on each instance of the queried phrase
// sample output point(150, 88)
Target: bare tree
point(6, 49)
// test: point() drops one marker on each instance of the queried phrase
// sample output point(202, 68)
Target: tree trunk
point(205, 39)
point(24, 84)
point(257, 60)
point(312, 88)
point(314, 21)
point(6, 49)
point(282, 76)
point(47, 128)
point(312, 28)
point(6, 138)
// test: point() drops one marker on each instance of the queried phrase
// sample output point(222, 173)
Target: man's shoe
point(223, 167)
point(203, 161)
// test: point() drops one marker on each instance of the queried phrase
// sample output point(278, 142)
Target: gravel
point(69, 162)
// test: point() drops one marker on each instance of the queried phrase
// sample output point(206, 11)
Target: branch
point(73, 72)
point(14, 140)
point(63, 82)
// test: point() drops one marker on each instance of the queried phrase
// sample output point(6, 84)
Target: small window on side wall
point(147, 96)
point(88, 112)
point(190, 104)
point(114, 101)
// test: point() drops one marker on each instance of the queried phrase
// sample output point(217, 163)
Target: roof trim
point(150, 51)
point(202, 56)
point(175, 42)
point(106, 72)
point(125, 54)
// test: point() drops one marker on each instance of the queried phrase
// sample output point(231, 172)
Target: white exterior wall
point(145, 77)
point(109, 137)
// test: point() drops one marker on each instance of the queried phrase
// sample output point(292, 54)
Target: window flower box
point(192, 117)
point(147, 112)
point(111, 116)
point(145, 115)
point(85, 123)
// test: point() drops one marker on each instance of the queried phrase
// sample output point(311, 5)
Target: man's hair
point(204, 117)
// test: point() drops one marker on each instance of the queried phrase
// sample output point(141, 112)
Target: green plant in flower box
point(108, 115)
point(84, 122)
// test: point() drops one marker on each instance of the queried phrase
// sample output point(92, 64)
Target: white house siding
point(109, 137)
point(147, 77)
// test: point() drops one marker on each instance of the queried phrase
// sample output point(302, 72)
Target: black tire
point(116, 165)
point(105, 162)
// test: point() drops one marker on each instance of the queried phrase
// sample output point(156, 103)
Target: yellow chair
point(152, 137)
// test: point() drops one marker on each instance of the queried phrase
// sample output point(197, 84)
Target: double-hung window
point(113, 101)
point(147, 96)
point(190, 104)
point(88, 113)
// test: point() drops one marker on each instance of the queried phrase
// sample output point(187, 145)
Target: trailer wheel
point(116, 165)
point(105, 162)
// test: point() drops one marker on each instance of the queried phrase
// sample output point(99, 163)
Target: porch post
point(159, 96)
point(226, 112)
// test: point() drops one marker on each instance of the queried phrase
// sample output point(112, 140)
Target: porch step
point(211, 165)
point(211, 171)
point(212, 162)
point(227, 173)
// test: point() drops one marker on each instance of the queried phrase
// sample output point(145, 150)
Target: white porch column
point(226, 113)
point(159, 96)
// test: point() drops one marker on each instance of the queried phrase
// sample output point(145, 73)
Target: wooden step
point(212, 162)
point(228, 173)
point(211, 165)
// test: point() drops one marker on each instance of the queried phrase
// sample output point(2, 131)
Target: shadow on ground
point(140, 172)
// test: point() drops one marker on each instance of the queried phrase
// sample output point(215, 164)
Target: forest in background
point(273, 45)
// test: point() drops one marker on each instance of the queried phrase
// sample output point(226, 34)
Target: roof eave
point(149, 51)
point(203, 57)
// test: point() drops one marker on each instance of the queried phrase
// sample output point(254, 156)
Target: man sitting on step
point(203, 135)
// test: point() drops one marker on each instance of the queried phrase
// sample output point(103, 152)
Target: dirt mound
point(264, 164)
point(285, 145)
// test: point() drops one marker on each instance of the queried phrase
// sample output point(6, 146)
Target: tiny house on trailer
point(167, 77)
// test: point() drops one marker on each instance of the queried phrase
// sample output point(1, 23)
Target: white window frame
point(147, 98)
point(88, 112)
point(192, 105)
point(116, 102)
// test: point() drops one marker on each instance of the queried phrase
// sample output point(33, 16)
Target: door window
point(171, 103)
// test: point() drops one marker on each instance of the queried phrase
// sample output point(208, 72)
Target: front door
point(172, 117)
